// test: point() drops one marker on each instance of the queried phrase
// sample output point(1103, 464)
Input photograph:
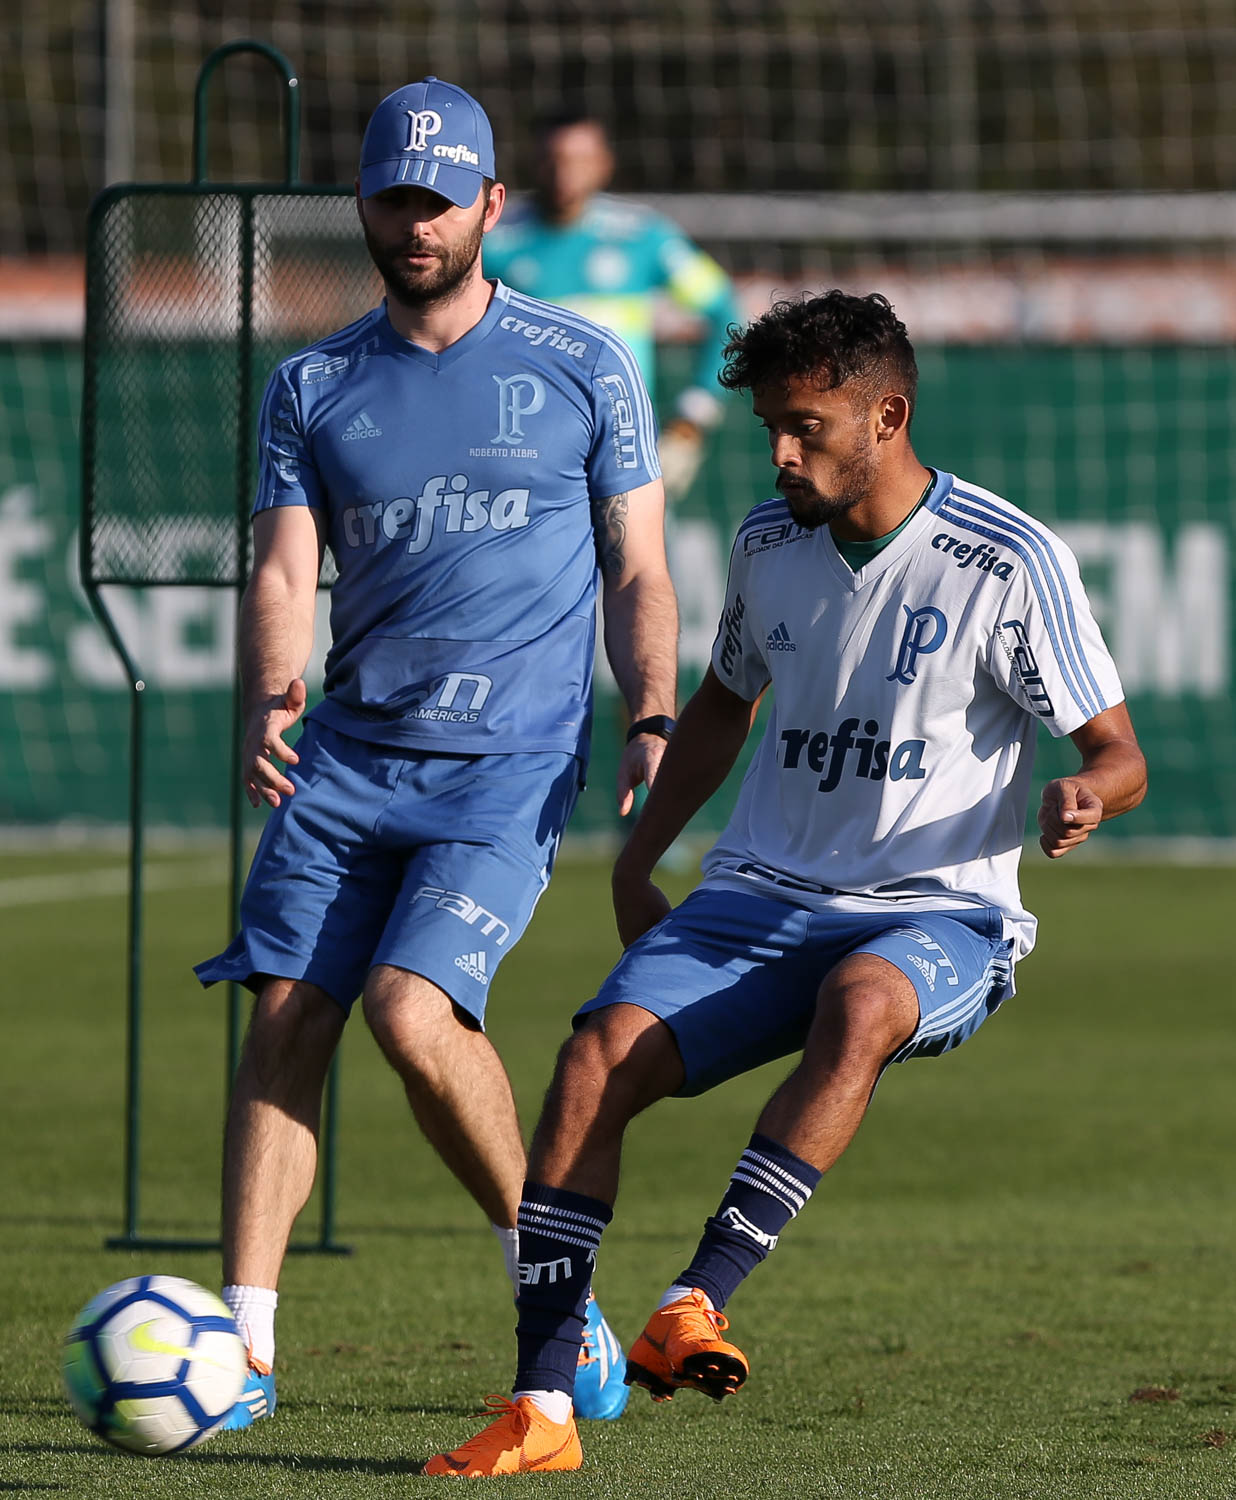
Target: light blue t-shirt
point(456, 488)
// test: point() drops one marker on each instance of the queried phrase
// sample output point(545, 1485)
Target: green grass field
point(1017, 1285)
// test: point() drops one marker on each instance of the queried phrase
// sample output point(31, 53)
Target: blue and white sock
point(769, 1187)
point(559, 1233)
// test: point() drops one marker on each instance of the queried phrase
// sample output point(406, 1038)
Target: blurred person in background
point(572, 244)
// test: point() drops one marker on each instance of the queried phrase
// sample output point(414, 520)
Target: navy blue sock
point(769, 1186)
point(559, 1232)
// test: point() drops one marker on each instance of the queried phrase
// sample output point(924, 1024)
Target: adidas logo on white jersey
point(362, 425)
point(779, 639)
point(473, 965)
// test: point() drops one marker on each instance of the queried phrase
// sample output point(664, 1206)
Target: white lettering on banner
point(1168, 626)
point(1162, 598)
point(180, 636)
point(22, 535)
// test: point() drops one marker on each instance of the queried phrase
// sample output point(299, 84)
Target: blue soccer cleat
point(600, 1392)
point(255, 1401)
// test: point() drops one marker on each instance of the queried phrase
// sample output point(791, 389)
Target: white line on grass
point(38, 890)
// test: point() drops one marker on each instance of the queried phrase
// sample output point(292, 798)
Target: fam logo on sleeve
point(622, 407)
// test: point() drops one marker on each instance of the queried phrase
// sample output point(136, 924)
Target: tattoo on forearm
point(609, 526)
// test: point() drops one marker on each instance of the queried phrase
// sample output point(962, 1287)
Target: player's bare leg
point(271, 1142)
point(269, 1159)
point(455, 1083)
point(866, 1009)
point(618, 1063)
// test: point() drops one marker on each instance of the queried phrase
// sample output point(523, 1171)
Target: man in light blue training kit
point(570, 242)
point(474, 460)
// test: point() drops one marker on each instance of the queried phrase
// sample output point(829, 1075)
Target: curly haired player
point(862, 905)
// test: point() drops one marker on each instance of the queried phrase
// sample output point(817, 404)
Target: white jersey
point(896, 766)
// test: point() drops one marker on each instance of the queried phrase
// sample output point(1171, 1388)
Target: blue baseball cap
point(428, 134)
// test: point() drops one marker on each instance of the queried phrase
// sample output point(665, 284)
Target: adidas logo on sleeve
point(779, 639)
point(362, 425)
point(473, 965)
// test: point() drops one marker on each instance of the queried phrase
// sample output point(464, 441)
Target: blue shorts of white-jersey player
point(735, 975)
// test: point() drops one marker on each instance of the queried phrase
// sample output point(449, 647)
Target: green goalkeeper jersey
point(611, 264)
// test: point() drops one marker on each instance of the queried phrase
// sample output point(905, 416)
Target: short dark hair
point(825, 340)
point(565, 119)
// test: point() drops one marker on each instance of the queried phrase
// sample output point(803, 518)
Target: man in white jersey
point(862, 905)
point(475, 460)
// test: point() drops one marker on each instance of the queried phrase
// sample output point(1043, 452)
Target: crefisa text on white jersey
point(970, 554)
point(820, 750)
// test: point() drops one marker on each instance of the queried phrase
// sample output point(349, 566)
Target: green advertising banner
point(1128, 451)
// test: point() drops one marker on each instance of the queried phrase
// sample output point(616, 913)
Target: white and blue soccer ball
point(154, 1364)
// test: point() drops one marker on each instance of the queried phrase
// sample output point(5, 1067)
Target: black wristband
point(660, 724)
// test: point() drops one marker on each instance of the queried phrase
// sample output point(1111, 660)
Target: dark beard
point(417, 289)
point(812, 510)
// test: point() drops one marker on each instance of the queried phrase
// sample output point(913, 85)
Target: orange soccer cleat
point(681, 1347)
point(522, 1440)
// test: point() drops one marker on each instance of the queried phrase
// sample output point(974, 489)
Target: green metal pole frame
point(291, 106)
point(325, 1243)
point(131, 1238)
point(137, 822)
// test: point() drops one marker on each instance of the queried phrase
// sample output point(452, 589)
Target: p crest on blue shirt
point(446, 479)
